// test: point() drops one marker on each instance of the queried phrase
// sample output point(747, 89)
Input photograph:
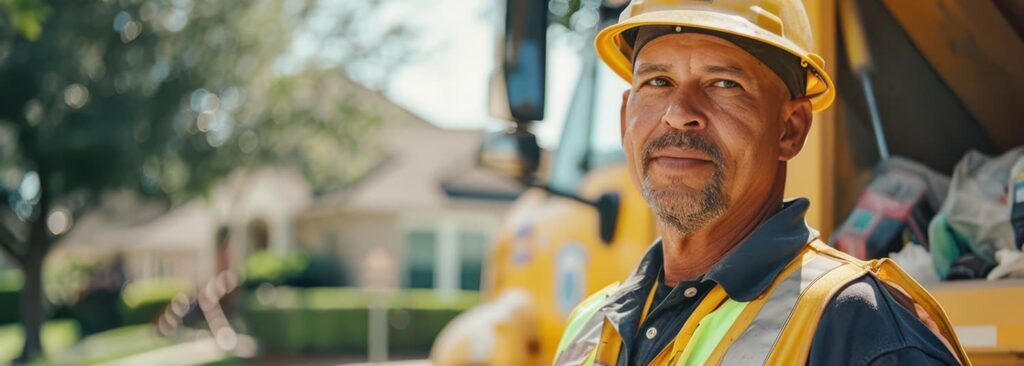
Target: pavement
point(188, 353)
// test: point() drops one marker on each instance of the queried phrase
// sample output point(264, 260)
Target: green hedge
point(143, 301)
point(297, 268)
point(335, 320)
point(10, 293)
point(418, 335)
point(97, 311)
point(9, 307)
point(293, 331)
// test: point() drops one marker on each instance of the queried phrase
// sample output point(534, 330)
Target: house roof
point(420, 165)
point(421, 160)
point(127, 223)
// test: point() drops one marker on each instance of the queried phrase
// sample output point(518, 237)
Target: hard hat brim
point(617, 53)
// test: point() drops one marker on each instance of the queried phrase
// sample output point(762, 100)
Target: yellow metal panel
point(987, 315)
point(811, 174)
point(541, 226)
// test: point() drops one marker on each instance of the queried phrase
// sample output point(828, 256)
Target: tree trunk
point(33, 303)
point(33, 312)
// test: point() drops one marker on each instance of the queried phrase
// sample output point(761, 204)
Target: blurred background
point(206, 181)
point(279, 182)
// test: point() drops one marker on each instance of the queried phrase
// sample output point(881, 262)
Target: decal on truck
point(570, 276)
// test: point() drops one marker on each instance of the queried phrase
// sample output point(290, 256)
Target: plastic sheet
point(978, 206)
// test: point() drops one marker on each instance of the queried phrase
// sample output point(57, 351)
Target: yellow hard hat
point(779, 23)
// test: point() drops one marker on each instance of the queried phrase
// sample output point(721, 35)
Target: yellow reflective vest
point(776, 328)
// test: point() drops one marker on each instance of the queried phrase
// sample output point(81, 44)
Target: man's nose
point(682, 114)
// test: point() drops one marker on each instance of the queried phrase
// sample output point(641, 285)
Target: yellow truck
point(938, 77)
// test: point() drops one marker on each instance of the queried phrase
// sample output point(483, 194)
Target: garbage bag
point(978, 206)
point(1011, 264)
point(946, 245)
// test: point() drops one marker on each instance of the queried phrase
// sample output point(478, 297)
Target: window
point(568, 169)
point(471, 257)
point(421, 250)
point(605, 143)
point(590, 138)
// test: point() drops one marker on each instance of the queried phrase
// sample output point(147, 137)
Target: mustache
point(682, 140)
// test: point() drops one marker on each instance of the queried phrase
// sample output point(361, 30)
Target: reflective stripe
point(794, 344)
point(710, 331)
point(582, 331)
point(753, 347)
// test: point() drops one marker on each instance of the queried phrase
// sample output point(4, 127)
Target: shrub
point(10, 292)
point(143, 301)
point(334, 320)
point(265, 266)
point(97, 311)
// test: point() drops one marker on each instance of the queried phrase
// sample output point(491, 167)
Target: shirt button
point(690, 292)
point(651, 333)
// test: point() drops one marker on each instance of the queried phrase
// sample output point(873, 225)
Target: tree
point(164, 97)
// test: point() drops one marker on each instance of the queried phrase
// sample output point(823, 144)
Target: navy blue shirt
point(863, 325)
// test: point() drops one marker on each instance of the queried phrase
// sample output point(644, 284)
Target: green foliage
point(143, 301)
point(166, 98)
point(297, 331)
point(265, 266)
point(26, 16)
point(10, 306)
point(335, 320)
point(97, 311)
point(10, 288)
point(296, 268)
point(68, 287)
point(57, 335)
point(67, 279)
point(10, 280)
point(152, 290)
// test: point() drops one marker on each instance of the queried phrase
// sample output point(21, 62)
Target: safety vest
point(776, 328)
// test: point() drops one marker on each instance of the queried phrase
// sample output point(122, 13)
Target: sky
point(446, 83)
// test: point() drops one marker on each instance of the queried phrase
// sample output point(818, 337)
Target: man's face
point(704, 127)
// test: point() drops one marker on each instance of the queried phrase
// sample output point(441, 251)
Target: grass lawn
point(62, 346)
point(110, 345)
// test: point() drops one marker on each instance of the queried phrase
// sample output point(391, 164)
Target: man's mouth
point(677, 158)
point(679, 163)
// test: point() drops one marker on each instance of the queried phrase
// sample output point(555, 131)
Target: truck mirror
point(512, 152)
point(523, 55)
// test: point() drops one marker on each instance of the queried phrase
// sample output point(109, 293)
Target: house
point(422, 212)
point(251, 210)
point(424, 215)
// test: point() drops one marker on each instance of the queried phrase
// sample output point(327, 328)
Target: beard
point(684, 209)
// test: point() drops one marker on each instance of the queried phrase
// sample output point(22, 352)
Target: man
point(722, 94)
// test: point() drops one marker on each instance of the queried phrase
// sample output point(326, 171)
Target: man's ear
point(622, 114)
point(796, 124)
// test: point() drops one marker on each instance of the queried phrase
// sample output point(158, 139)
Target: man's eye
point(728, 84)
point(659, 82)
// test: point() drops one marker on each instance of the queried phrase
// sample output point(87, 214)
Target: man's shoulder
point(593, 301)
point(869, 323)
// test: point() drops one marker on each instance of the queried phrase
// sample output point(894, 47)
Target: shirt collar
point(747, 271)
